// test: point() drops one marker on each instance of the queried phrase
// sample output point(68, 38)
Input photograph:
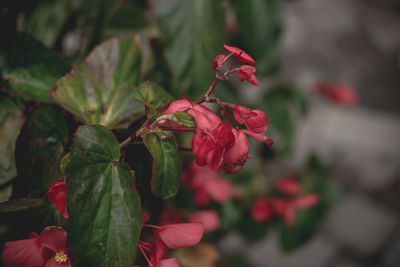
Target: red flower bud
point(254, 120)
point(218, 62)
point(57, 195)
point(240, 54)
point(245, 72)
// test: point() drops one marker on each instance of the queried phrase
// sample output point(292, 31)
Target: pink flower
point(209, 146)
point(57, 195)
point(218, 62)
point(246, 72)
point(288, 185)
point(181, 235)
point(338, 93)
point(254, 120)
point(48, 249)
point(204, 118)
point(207, 185)
point(209, 219)
point(240, 54)
point(262, 210)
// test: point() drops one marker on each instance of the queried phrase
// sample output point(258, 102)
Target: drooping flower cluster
point(169, 236)
point(265, 208)
point(49, 250)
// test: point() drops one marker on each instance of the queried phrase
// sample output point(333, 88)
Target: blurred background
point(297, 44)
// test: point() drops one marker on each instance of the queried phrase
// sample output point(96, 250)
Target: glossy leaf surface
point(104, 208)
point(152, 96)
point(97, 90)
point(166, 163)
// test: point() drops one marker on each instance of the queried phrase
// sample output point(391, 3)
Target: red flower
point(240, 54)
point(254, 120)
point(246, 72)
point(48, 249)
point(338, 93)
point(209, 145)
point(57, 195)
point(234, 158)
point(218, 62)
point(209, 219)
point(169, 216)
point(262, 210)
point(288, 185)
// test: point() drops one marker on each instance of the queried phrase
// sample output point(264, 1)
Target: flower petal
point(57, 195)
point(21, 253)
point(54, 237)
point(181, 235)
point(172, 262)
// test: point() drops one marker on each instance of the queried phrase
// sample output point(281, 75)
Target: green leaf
point(64, 163)
point(11, 121)
point(252, 230)
point(46, 20)
point(166, 163)
point(97, 90)
point(191, 33)
point(104, 208)
point(181, 118)
point(20, 205)
point(260, 25)
point(152, 96)
point(40, 147)
point(31, 69)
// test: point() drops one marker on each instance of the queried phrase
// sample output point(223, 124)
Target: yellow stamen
point(61, 257)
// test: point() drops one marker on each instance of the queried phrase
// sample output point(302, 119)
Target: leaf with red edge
point(97, 90)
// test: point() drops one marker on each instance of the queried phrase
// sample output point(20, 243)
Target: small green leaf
point(40, 147)
point(97, 90)
point(11, 121)
point(152, 96)
point(32, 69)
point(181, 118)
point(104, 208)
point(166, 163)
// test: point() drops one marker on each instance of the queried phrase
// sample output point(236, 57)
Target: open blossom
point(171, 236)
point(49, 250)
point(57, 195)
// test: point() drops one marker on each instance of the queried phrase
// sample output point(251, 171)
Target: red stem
point(144, 255)
point(152, 226)
point(178, 129)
